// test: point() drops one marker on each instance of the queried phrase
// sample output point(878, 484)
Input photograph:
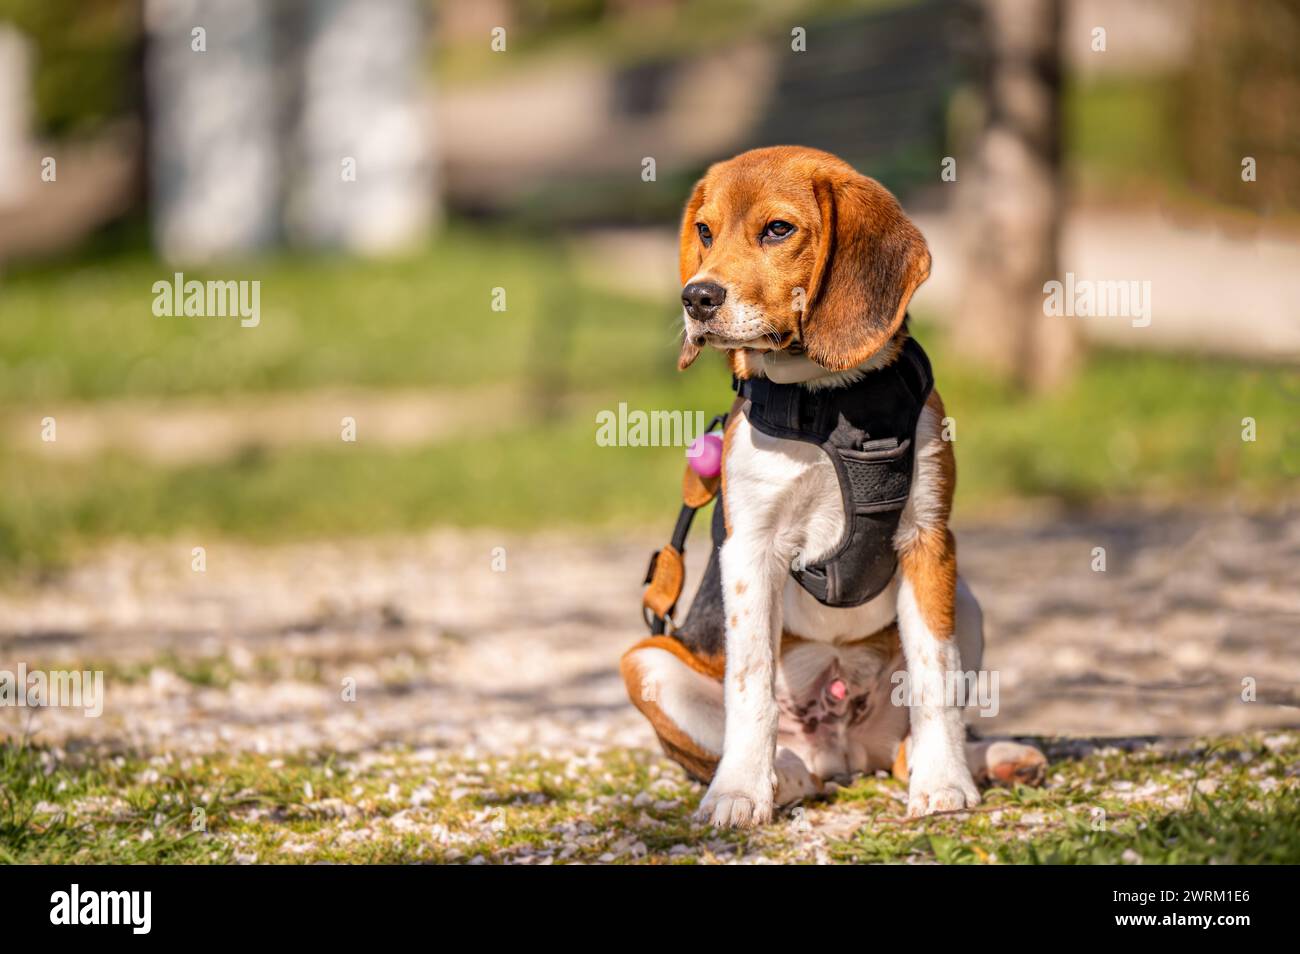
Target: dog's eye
point(777, 229)
point(705, 235)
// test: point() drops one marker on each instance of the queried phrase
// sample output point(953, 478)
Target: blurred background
point(390, 170)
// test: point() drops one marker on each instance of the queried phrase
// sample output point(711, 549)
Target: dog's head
point(791, 246)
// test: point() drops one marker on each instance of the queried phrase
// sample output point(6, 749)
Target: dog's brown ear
point(870, 260)
point(688, 262)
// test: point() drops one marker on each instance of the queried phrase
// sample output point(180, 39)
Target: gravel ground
point(445, 650)
point(399, 700)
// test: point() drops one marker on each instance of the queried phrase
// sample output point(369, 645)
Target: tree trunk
point(214, 167)
point(1011, 211)
point(363, 177)
point(299, 118)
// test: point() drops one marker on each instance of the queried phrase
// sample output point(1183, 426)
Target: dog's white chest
point(791, 487)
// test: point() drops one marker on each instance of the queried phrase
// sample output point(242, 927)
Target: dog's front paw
point(944, 787)
point(738, 799)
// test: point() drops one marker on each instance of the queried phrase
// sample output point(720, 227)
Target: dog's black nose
point(702, 299)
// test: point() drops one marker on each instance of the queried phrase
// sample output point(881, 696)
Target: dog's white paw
point(738, 799)
point(943, 787)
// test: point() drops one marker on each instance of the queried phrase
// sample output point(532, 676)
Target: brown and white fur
point(820, 304)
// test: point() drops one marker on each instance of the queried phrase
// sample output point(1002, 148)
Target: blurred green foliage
point(86, 59)
point(1121, 134)
point(624, 33)
point(1241, 97)
point(1177, 131)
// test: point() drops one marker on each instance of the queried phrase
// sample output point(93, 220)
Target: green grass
point(396, 807)
point(85, 329)
point(399, 805)
point(1118, 807)
point(1130, 425)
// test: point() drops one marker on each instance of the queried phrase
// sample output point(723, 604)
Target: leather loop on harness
point(697, 491)
point(664, 580)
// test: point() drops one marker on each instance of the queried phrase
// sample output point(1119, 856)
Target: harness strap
point(666, 575)
point(867, 430)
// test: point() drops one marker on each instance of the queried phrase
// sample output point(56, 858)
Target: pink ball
point(705, 455)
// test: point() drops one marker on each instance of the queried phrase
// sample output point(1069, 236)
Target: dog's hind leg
point(1003, 762)
point(991, 761)
point(682, 698)
point(681, 694)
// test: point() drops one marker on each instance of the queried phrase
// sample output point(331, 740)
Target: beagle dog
point(800, 269)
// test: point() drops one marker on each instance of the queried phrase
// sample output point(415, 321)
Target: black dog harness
point(868, 429)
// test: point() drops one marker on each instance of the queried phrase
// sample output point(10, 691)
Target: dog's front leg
point(742, 788)
point(940, 776)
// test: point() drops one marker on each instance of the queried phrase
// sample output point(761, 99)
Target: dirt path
point(186, 430)
point(256, 652)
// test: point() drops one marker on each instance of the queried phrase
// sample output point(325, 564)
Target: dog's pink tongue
point(837, 689)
